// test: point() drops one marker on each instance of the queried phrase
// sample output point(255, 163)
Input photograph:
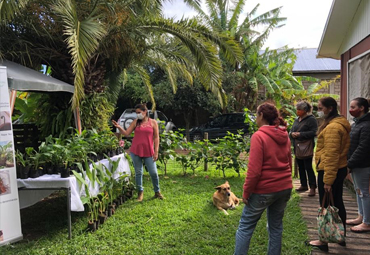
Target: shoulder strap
point(300, 125)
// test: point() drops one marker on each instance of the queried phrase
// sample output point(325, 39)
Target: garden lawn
point(186, 222)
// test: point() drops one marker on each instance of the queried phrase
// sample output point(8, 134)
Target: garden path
point(357, 244)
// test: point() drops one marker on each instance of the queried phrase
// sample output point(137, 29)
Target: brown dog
point(224, 199)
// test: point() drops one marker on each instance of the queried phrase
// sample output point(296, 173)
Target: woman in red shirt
point(144, 147)
point(268, 184)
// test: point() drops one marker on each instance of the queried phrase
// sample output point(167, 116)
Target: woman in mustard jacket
point(331, 157)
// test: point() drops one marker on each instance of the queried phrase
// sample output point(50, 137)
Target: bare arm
point(155, 139)
point(128, 131)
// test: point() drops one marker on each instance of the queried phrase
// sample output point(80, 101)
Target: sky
point(303, 28)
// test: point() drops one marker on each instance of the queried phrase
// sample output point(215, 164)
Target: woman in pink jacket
point(268, 184)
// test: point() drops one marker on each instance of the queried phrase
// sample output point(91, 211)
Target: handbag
point(303, 149)
point(330, 226)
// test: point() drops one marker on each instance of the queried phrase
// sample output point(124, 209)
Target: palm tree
point(86, 41)
point(8, 9)
point(270, 69)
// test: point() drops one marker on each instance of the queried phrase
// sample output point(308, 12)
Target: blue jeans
point(275, 204)
point(361, 178)
point(152, 169)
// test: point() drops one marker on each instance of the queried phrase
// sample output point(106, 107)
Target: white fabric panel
point(30, 197)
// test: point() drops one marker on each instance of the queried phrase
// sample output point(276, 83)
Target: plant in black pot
point(67, 160)
point(103, 203)
point(87, 200)
point(32, 159)
point(112, 144)
point(128, 189)
point(91, 225)
point(22, 172)
point(46, 150)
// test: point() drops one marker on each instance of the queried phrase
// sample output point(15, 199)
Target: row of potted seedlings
point(55, 155)
point(113, 191)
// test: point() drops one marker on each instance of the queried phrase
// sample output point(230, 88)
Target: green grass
point(186, 222)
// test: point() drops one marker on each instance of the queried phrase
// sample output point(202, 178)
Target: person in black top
point(305, 128)
point(359, 162)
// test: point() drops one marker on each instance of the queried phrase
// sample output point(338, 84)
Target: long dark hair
point(271, 114)
point(362, 102)
point(143, 108)
point(328, 102)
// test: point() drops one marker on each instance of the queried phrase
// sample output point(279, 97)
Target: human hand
point(245, 201)
point(115, 124)
point(327, 187)
point(295, 134)
point(155, 156)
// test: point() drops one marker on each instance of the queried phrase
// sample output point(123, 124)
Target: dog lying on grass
point(224, 199)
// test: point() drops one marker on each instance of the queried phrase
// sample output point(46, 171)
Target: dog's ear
point(218, 188)
point(226, 182)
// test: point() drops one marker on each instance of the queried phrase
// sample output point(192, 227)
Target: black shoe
point(342, 243)
point(322, 247)
point(302, 189)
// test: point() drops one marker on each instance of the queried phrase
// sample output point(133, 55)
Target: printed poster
point(10, 222)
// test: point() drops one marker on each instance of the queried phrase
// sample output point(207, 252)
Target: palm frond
point(82, 39)
point(146, 80)
point(204, 52)
point(233, 22)
point(10, 8)
point(260, 18)
point(253, 11)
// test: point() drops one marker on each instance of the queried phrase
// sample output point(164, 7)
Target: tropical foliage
point(85, 42)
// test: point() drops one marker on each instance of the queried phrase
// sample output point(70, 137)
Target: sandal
point(360, 228)
point(356, 221)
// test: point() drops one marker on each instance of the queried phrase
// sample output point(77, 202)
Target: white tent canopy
point(22, 78)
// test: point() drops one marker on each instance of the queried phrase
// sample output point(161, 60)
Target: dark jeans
point(337, 190)
point(305, 169)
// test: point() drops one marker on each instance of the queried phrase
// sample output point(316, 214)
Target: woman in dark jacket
point(305, 128)
point(359, 162)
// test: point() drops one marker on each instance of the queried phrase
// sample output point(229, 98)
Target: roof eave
point(335, 31)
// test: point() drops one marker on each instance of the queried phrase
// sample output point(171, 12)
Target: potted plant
point(87, 199)
point(65, 158)
point(22, 170)
point(32, 160)
point(128, 189)
point(46, 150)
point(103, 202)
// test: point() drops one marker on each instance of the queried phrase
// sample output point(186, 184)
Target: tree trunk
point(187, 117)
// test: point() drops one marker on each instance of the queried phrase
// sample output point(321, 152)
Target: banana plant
point(81, 178)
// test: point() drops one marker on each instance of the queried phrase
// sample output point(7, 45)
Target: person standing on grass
point(331, 158)
point(145, 145)
point(268, 184)
point(359, 162)
point(304, 128)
